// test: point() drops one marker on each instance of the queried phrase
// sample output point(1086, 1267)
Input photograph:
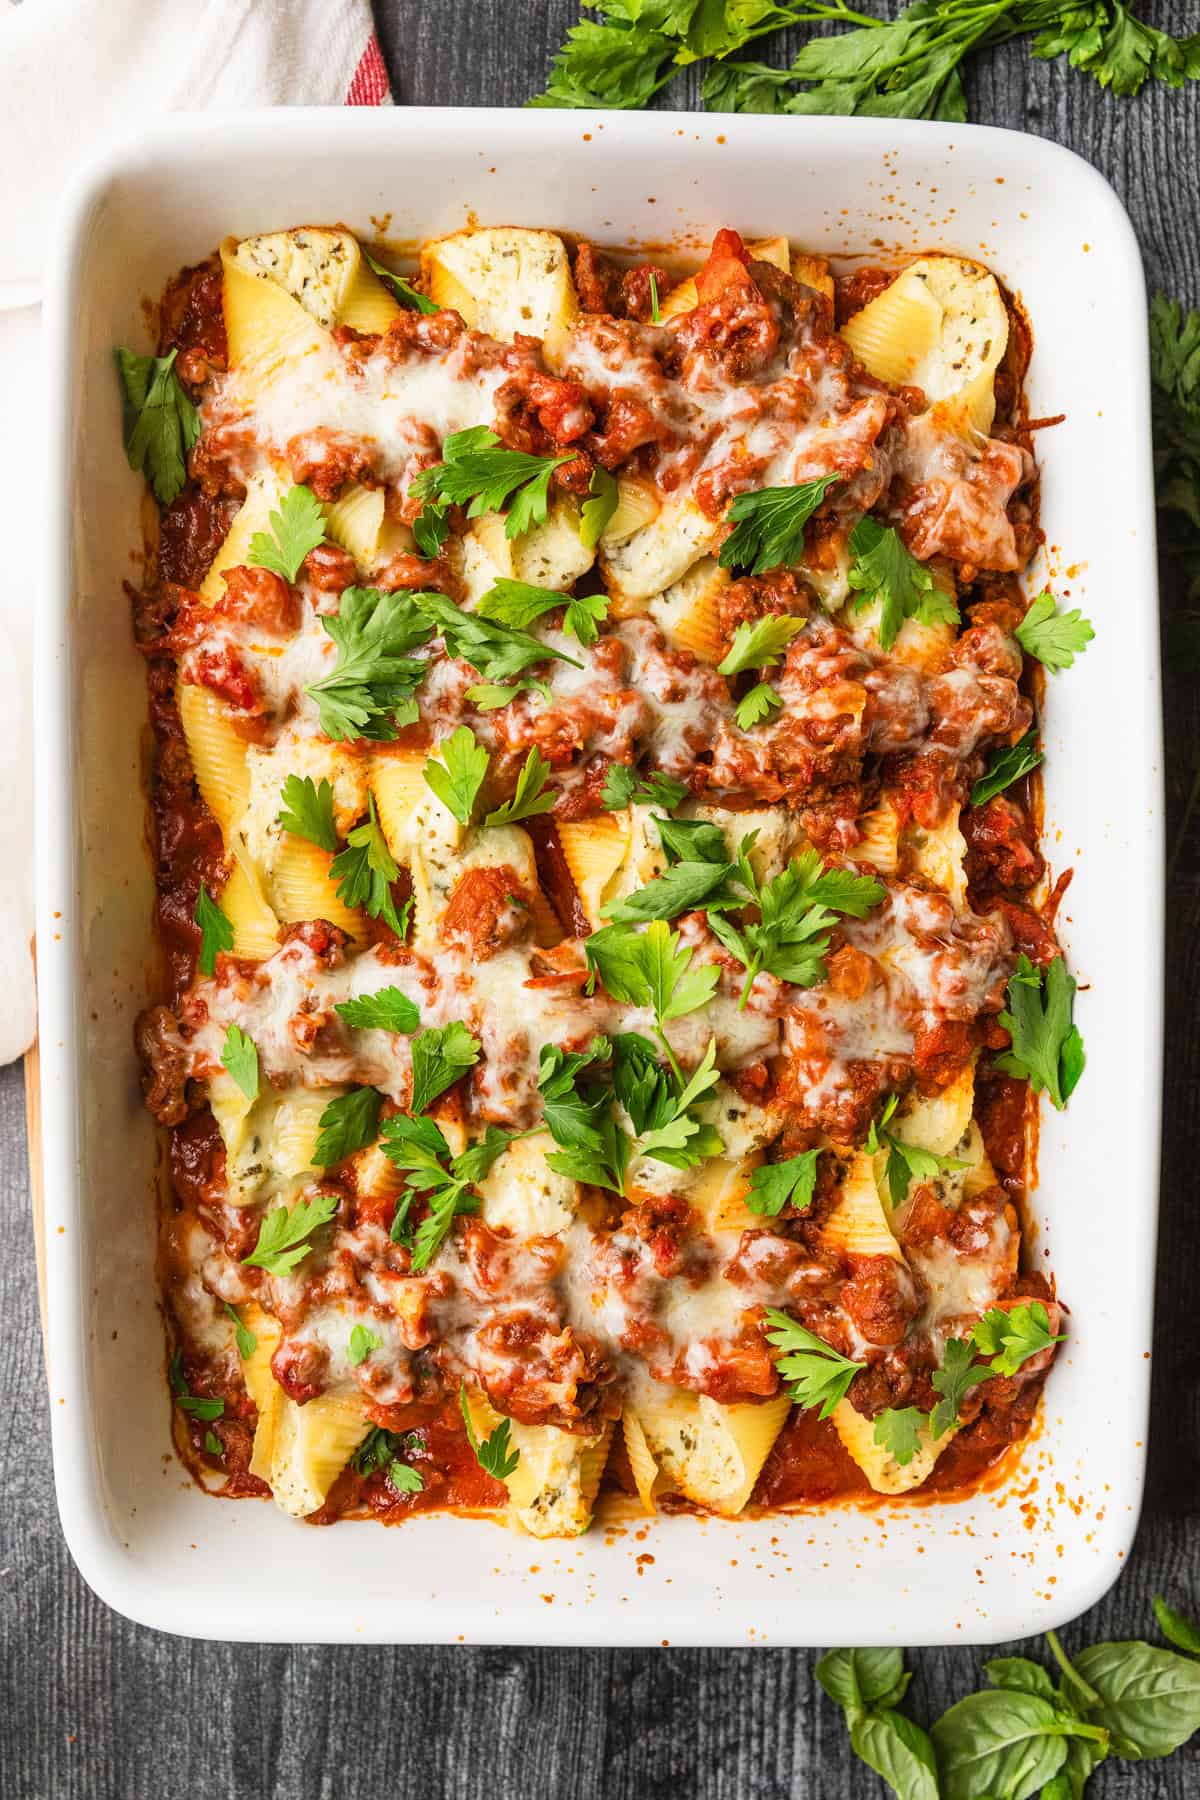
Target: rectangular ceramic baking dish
point(1027, 1555)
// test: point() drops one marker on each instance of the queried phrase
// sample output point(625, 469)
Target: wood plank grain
point(93, 1708)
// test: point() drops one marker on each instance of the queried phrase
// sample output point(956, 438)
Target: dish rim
point(112, 1573)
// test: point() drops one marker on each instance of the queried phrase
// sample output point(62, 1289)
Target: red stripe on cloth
point(369, 86)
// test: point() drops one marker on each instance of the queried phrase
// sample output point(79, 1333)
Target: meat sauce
point(854, 725)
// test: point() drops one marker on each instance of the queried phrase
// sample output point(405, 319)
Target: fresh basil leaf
point(1149, 1698)
point(1176, 1628)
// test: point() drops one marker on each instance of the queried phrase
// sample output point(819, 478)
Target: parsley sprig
point(603, 498)
point(401, 288)
point(530, 796)
point(297, 527)
point(518, 604)
point(476, 468)
point(365, 871)
point(884, 569)
point(284, 1237)
point(759, 643)
point(907, 67)
point(457, 772)
point(161, 424)
point(816, 1373)
point(578, 1096)
point(495, 1454)
point(198, 1406)
point(371, 690)
point(776, 1185)
point(499, 652)
point(624, 786)
point(239, 1059)
point(439, 1057)
point(383, 1450)
point(349, 1123)
point(906, 1162)
point(417, 1146)
point(216, 931)
point(797, 911)
point(1006, 766)
point(651, 968)
point(247, 1341)
point(306, 810)
point(1046, 1043)
point(768, 525)
point(1054, 638)
point(998, 1344)
point(387, 1009)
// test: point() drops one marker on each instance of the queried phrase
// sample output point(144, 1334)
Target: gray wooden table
point(94, 1707)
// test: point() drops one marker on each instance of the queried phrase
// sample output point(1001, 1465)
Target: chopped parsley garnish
point(365, 871)
point(796, 912)
point(477, 468)
point(488, 695)
point(1011, 1336)
point(1007, 765)
point(768, 525)
point(1054, 638)
point(404, 1479)
point(495, 1454)
point(884, 569)
point(958, 1374)
point(682, 887)
point(757, 705)
point(530, 796)
point(402, 289)
point(216, 931)
point(283, 1236)
point(381, 1451)
point(418, 1147)
point(898, 1430)
point(387, 1009)
point(499, 652)
point(776, 1185)
point(239, 1059)
point(349, 1123)
point(362, 1342)
point(161, 424)
point(578, 1099)
point(906, 1162)
point(816, 1374)
point(517, 604)
point(439, 1057)
point(306, 810)
point(603, 498)
point(247, 1342)
point(370, 693)
point(1005, 1338)
point(623, 787)
point(1046, 1044)
point(199, 1407)
point(458, 772)
point(651, 968)
point(759, 643)
point(655, 308)
point(213, 1444)
point(296, 528)
point(662, 1106)
point(431, 528)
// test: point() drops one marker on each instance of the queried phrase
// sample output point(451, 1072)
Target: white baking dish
point(1007, 1562)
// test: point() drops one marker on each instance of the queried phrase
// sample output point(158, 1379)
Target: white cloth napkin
point(74, 72)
